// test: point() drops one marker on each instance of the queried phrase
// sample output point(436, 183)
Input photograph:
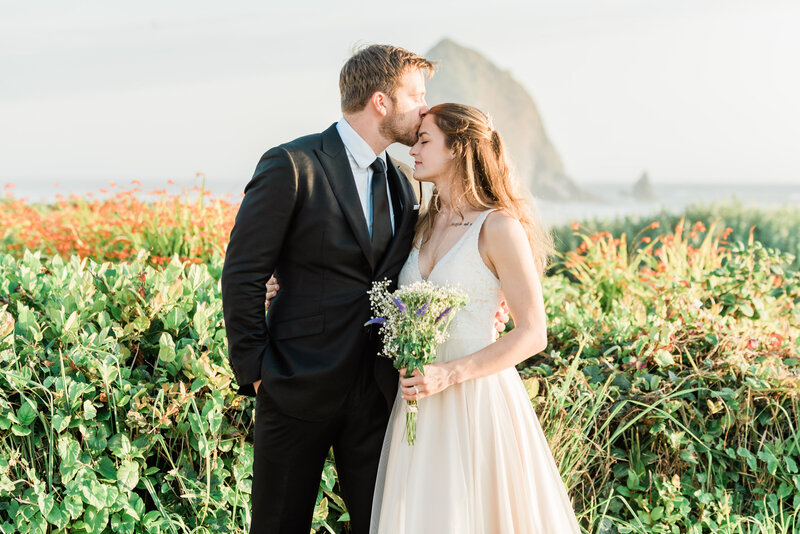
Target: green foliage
point(669, 392)
point(679, 362)
point(116, 407)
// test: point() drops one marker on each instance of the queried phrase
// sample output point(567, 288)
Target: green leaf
point(73, 506)
point(174, 319)
point(663, 358)
point(791, 465)
point(123, 523)
point(18, 430)
point(141, 323)
point(71, 324)
point(95, 438)
point(46, 503)
point(95, 519)
point(166, 350)
point(128, 475)
point(60, 422)
point(200, 321)
point(784, 490)
point(27, 412)
point(120, 445)
point(89, 411)
point(105, 467)
point(133, 506)
point(52, 512)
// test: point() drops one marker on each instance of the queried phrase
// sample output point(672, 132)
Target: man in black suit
point(329, 214)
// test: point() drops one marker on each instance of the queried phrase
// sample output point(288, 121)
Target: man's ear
point(380, 101)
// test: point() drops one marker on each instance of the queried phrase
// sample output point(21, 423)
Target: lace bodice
point(463, 268)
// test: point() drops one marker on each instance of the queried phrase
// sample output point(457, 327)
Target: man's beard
point(392, 128)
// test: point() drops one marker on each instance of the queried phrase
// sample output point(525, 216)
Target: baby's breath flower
point(411, 339)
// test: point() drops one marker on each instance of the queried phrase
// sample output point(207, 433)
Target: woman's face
point(432, 158)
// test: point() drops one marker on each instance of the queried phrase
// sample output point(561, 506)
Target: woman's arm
point(504, 243)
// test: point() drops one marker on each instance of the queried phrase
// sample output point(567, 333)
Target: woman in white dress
point(481, 463)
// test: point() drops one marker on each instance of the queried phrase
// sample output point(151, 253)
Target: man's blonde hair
point(377, 68)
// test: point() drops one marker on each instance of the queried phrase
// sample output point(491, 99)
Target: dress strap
point(478, 224)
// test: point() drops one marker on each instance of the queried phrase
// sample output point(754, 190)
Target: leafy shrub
point(686, 378)
point(669, 391)
point(116, 407)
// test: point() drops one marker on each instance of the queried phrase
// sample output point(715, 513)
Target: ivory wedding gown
point(481, 463)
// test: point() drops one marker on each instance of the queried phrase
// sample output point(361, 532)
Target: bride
point(481, 463)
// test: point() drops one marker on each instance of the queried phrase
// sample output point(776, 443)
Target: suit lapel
point(333, 158)
point(399, 186)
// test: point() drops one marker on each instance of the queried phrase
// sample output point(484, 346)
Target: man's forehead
point(415, 79)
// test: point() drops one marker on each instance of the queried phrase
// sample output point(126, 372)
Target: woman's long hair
point(485, 179)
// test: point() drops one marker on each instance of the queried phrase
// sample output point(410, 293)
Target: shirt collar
point(355, 144)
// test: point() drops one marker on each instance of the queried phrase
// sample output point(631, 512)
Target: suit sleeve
point(256, 240)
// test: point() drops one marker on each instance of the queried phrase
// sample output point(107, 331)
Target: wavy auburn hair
point(483, 177)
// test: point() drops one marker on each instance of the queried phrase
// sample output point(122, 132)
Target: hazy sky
point(688, 90)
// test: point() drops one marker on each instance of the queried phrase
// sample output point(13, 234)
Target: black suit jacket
point(301, 218)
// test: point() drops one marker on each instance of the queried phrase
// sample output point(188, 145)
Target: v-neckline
point(435, 265)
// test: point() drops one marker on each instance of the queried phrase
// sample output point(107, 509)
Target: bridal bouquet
point(413, 322)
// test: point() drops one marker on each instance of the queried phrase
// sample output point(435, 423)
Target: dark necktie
point(381, 218)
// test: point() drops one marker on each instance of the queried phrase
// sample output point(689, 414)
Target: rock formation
point(643, 189)
point(466, 77)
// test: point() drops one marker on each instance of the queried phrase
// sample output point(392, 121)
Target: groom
point(329, 214)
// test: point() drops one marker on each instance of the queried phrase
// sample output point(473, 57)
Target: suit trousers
point(289, 455)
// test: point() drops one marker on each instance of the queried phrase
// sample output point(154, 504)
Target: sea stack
point(465, 76)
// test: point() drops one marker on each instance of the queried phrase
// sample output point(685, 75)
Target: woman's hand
point(272, 290)
point(500, 319)
point(437, 377)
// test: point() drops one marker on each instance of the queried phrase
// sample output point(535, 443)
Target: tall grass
point(687, 352)
point(777, 228)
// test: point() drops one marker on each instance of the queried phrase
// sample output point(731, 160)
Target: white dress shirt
point(361, 157)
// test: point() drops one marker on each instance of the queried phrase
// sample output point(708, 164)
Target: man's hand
point(501, 318)
point(256, 384)
point(272, 290)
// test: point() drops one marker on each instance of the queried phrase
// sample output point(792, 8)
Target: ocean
point(615, 199)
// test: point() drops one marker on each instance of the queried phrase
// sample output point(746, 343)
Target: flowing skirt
point(480, 464)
